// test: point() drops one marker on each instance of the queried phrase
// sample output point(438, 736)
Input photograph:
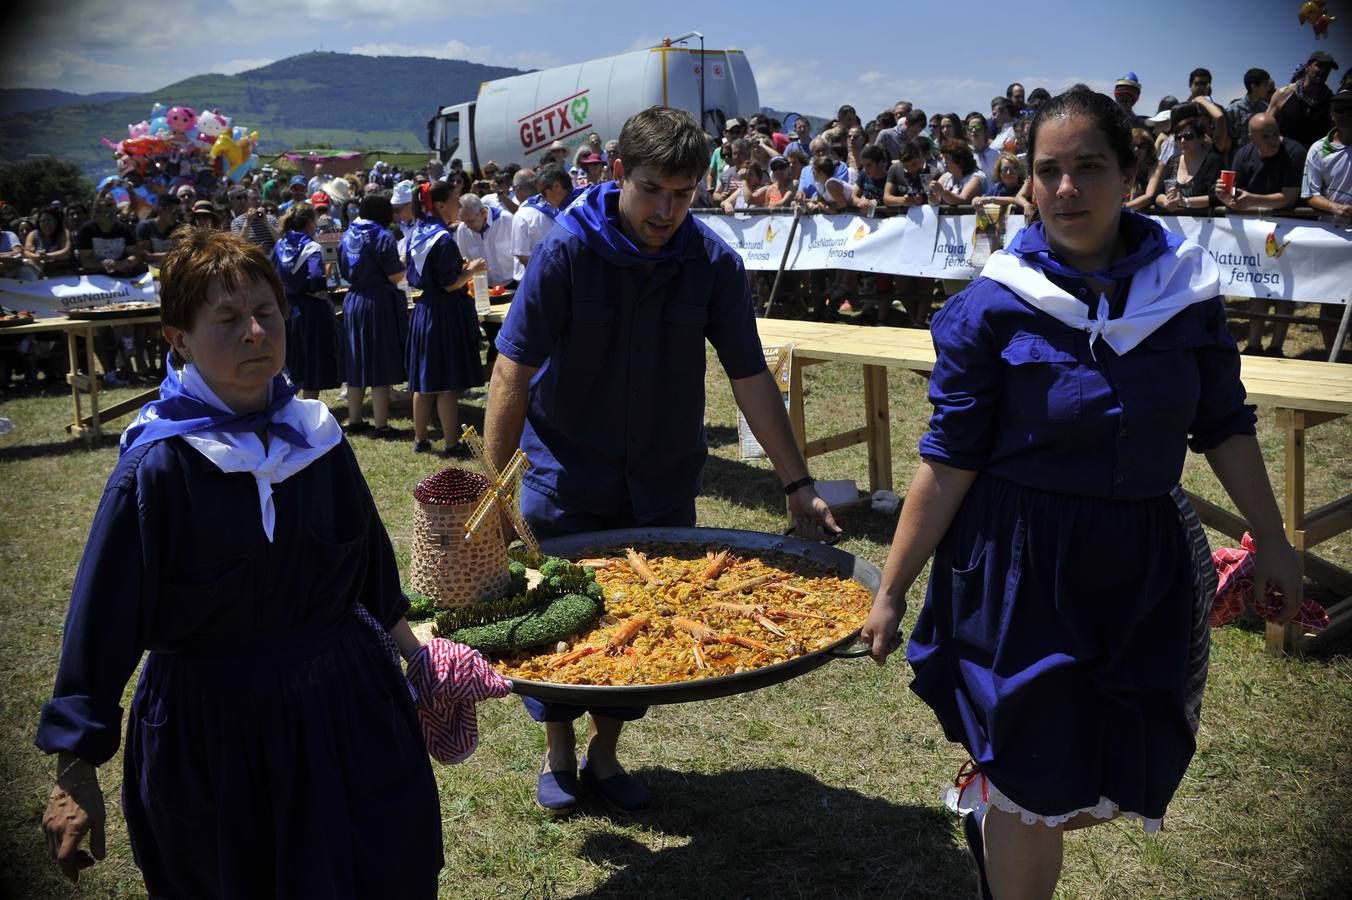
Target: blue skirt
point(375, 332)
point(443, 344)
point(312, 345)
point(1061, 644)
point(291, 765)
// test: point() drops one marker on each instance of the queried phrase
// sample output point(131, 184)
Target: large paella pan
point(831, 562)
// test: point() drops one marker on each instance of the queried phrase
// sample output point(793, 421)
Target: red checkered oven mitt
point(1234, 591)
point(449, 679)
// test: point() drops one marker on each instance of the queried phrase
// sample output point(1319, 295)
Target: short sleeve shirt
point(114, 244)
point(615, 415)
point(1328, 169)
point(1284, 169)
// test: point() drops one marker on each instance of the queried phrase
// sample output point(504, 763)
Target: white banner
point(1272, 258)
point(54, 296)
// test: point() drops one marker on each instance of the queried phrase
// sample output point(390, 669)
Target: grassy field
point(826, 786)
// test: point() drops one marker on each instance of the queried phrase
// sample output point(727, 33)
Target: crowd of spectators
point(1270, 150)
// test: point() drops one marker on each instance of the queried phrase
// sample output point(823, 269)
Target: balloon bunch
point(1312, 13)
point(178, 141)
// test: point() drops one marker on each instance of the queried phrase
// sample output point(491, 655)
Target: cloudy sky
point(803, 59)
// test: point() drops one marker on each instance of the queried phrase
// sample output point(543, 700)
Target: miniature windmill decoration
point(501, 493)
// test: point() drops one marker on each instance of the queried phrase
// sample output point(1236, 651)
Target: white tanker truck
point(514, 119)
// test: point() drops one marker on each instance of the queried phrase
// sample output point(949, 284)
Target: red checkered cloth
point(1234, 591)
point(450, 678)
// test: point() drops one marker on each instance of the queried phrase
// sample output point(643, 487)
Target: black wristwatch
point(800, 483)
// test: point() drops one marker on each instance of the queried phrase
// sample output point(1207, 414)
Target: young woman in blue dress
point(1063, 640)
point(311, 335)
point(442, 356)
point(272, 747)
point(373, 313)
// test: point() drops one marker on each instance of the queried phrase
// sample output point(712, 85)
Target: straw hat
point(339, 190)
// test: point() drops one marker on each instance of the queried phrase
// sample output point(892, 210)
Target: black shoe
point(384, 433)
point(458, 450)
point(356, 427)
point(971, 829)
point(422, 446)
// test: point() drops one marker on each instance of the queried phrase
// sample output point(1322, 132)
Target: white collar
point(1159, 289)
point(244, 452)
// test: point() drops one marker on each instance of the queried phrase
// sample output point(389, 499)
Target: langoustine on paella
point(676, 613)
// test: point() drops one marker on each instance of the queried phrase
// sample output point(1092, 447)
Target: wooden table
point(1304, 394)
point(88, 426)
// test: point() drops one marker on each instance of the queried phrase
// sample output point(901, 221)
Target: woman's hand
point(75, 808)
point(478, 264)
point(1277, 563)
point(879, 633)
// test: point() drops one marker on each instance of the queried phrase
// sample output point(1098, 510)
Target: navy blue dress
point(443, 333)
point(272, 748)
point(1059, 637)
point(312, 360)
point(374, 317)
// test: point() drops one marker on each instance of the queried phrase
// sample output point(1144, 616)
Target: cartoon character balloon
point(140, 129)
point(182, 119)
point(159, 126)
point(212, 124)
point(1312, 13)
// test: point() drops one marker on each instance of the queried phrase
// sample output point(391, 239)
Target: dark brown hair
point(961, 154)
point(667, 139)
point(201, 257)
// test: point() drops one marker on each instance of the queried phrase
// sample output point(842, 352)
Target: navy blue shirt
point(177, 561)
point(375, 264)
point(306, 280)
point(1017, 393)
point(444, 264)
point(616, 411)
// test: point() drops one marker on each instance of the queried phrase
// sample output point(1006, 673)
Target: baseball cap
point(1323, 59)
point(591, 159)
point(319, 198)
point(734, 122)
point(297, 180)
point(1159, 118)
point(1128, 84)
point(1343, 96)
point(779, 162)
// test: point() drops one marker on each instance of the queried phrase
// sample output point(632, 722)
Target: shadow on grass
point(780, 833)
point(59, 448)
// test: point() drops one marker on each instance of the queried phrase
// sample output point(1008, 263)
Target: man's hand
point(812, 519)
point(75, 808)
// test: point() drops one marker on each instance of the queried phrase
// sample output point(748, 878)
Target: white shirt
point(529, 225)
point(1329, 176)
point(1006, 135)
point(493, 245)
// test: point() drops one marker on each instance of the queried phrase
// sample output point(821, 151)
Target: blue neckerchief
point(1146, 240)
point(493, 213)
point(538, 201)
point(179, 412)
point(360, 233)
point(594, 218)
point(423, 234)
point(289, 248)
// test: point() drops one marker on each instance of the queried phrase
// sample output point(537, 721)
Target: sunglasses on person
point(1144, 145)
point(1188, 135)
point(973, 129)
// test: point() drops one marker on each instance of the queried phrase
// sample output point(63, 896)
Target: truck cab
point(449, 135)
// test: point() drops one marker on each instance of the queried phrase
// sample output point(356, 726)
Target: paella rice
point(678, 613)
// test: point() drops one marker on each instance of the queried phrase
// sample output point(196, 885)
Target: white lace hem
point(969, 799)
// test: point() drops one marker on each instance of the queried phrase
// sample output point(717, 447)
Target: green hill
point(22, 100)
point(328, 99)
